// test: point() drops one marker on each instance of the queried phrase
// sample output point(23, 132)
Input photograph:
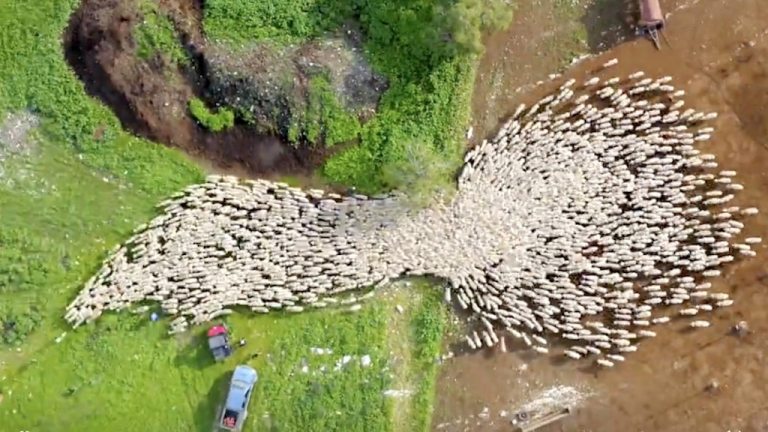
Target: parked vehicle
point(235, 409)
point(218, 342)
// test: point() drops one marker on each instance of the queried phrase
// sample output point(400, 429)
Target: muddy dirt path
point(719, 55)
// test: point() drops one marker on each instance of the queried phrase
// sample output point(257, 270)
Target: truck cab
point(235, 409)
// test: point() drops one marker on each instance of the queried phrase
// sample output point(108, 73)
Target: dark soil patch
point(150, 97)
point(610, 22)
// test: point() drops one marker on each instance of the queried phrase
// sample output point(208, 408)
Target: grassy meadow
point(83, 187)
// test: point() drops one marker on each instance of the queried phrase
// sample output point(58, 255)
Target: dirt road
point(719, 55)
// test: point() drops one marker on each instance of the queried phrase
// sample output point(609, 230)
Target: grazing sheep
point(588, 212)
point(699, 324)
point(604, 363)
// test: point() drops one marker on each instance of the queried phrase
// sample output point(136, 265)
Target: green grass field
point(85, 186)
point(98, 378)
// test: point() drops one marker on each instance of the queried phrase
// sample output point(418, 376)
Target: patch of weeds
point(17, 323)
point(23, 263)
point(222, 119)
point(428, 326)
point(301, 390)
point(281, 21)
point(156, 35)
point(575, 42)
point(324, 119)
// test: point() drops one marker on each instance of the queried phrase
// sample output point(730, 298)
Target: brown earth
point(150, 97)
point(718, 53)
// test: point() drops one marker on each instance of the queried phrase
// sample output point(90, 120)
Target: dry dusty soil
point(717, 51)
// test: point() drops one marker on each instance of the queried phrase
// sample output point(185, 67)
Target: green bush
point(467, 20)
point(324, 120)
point(22, 263)
point(156, 35)
point(18, 323)
point(422, 172)
point(215, 122)
point(426, 48)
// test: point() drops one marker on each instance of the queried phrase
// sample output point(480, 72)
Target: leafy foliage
point(324, 120)
point(467, 20)
point(216, 122)
point(428, 328)
point(22, 266)
point(283, 21)
point(156, 35)
point(17, 323)
point(426, 48)
point(423, 172)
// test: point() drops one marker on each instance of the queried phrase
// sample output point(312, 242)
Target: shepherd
point(651, 20)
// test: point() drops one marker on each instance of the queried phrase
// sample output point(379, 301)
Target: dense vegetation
point(85, 186)
point(428, 328)
point(155, 35)
point(222, 119)
point(426, 48)
point(324, 119)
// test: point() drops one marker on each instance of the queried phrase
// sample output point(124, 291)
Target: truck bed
point(229, 420)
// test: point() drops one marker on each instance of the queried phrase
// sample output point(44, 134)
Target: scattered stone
point(365, 360)
point(712, 387)
point(741, 329)
point(397, 393)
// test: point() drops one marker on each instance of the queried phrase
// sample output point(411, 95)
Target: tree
point(467, 20)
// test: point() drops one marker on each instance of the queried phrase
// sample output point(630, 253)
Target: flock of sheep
point(591, 217)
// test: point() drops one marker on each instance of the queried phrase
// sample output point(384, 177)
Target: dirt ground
point(718, 53)
point(150, 97)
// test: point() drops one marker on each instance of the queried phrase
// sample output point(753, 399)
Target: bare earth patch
point(719, 49)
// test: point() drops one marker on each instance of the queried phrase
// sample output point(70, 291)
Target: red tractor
point(218, 342)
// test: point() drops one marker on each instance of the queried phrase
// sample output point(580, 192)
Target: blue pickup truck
point(240, 390)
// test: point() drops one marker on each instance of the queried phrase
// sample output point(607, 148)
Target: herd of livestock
point(592, 217)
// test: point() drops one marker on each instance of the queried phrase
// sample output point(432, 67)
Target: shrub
point(157, 36)
point(16, 324)
point(324, 120)
point(277, 20)
point(429, 324)
point(22, 266)
point(467, 20)
point(215, 122)
point(422, 172)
